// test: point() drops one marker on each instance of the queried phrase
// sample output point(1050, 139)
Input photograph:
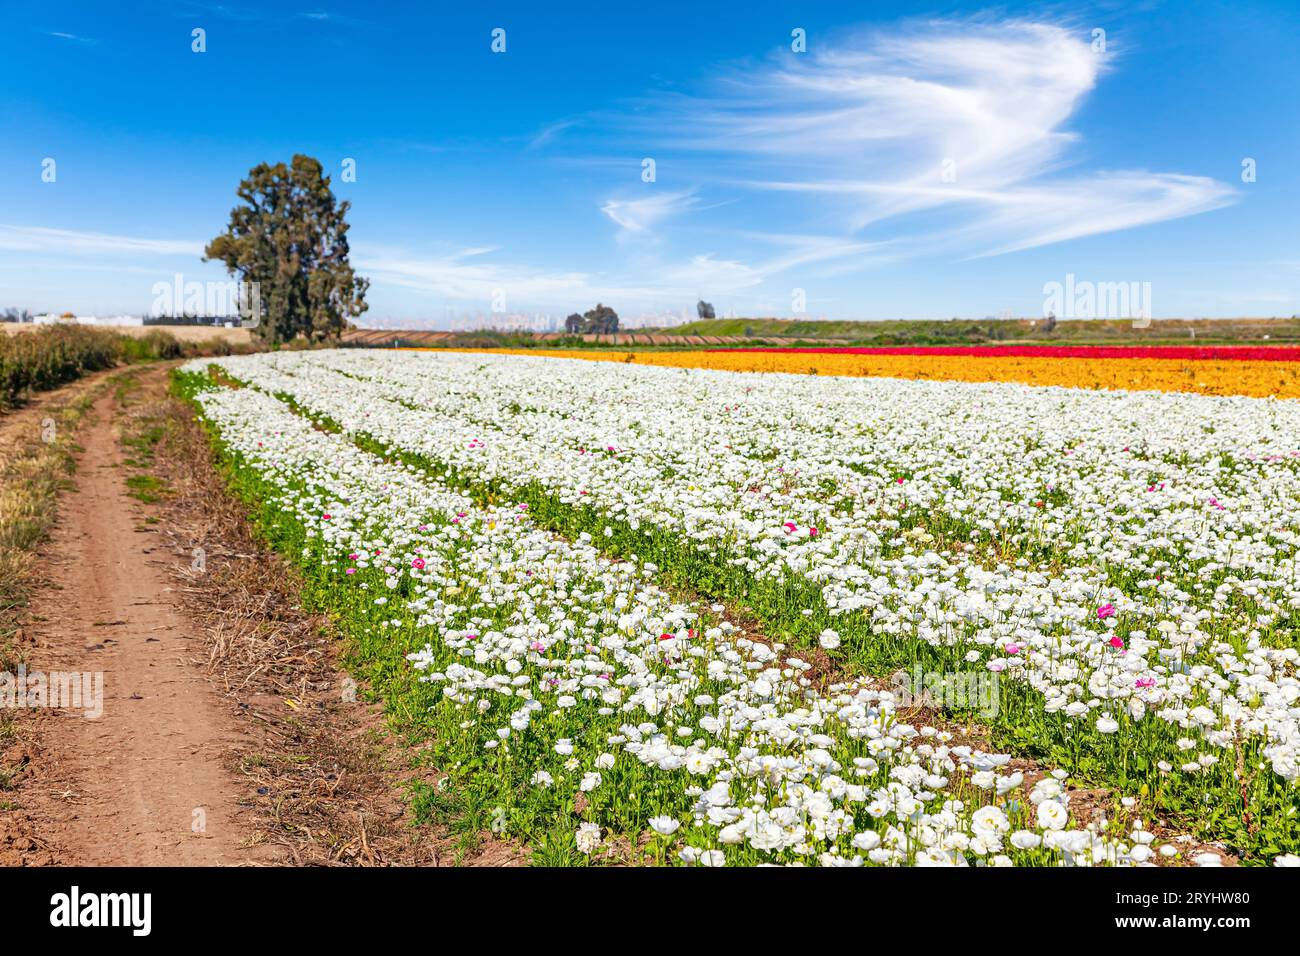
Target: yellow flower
point(1256, 378)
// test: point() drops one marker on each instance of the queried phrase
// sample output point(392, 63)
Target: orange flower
point(1207, 377)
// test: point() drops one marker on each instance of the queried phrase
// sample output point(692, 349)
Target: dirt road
point(143, 784)
point(230, 733)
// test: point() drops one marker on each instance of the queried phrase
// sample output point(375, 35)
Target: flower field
point(691, 616)
point(1258, 371)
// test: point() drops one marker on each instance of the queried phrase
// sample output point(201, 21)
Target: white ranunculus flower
point(1025, 839)
point(664, 825)
point(1052, 815)
point(588, 838)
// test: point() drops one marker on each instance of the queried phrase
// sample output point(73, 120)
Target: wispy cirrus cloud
point(477, 275)
point(966, 119)
point(643, 214)
point(75, 243)
point(70, 37)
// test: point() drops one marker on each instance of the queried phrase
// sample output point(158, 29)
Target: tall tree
point(289, 238)
point(602, 319)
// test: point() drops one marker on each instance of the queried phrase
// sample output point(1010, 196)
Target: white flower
point(1052, 815)
point(663, 825)
point(588, 838)
point(866, 840)
point(990, 819)
point(829, 639)
point(1025, 839)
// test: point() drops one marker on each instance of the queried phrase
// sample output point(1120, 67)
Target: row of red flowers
point(1217, 353)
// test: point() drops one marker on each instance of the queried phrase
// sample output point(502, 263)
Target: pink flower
point(1146, 682)
point(900, 481)
point(1013, 648)
point(812, 532)
point(790, 527)
point(537, 646)
point(418, 564)
point(350, 571)
point(1105, 611)
point(1116, 642)
point(325, 517)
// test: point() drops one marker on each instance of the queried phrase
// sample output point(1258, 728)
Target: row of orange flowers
point(1257, 378)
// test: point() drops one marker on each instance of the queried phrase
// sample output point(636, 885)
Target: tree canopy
point(288, 240)
point(602, 319)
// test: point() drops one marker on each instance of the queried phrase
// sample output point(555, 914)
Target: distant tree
point(602, 320)
point(704, 310)
point(289, 236)
point(573, 324)
point(1049, 326)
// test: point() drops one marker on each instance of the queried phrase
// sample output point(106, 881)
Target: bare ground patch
point(325, 778)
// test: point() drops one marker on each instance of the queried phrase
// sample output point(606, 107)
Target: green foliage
point(602, 320)
point(289, 238)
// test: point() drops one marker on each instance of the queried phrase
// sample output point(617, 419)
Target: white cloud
point(870, 127)
point(643, 215)
point(70, 242)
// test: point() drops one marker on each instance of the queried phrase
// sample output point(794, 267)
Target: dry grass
point(324, 778)
point(185, 333)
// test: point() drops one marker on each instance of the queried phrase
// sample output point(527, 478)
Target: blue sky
point(916, 161)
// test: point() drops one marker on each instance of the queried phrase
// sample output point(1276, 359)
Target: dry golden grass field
point(186, 333)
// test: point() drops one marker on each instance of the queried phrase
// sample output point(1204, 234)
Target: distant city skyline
point(797, 162)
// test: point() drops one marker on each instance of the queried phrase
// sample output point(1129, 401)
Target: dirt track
point(224, 737)
point(143, 784)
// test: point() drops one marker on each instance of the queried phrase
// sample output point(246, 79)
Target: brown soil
point(143, 783)
point(230, 734)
